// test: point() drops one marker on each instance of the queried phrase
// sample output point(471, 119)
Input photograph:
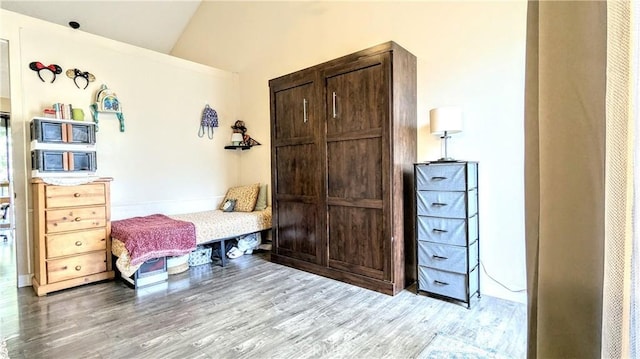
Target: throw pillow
point(245, 197)
point(228, 205)
point(261, 203)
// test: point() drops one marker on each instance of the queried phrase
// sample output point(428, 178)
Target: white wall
point(469, 54)
point(159, 164)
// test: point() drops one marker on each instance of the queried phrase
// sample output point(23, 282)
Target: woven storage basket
point(177, 264)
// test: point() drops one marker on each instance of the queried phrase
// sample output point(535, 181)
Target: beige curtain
point(581, 102)
point(564, 177)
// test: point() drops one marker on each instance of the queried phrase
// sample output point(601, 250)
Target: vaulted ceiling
point(155, 25)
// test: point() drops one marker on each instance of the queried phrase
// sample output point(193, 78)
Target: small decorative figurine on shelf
point(240, 138)
point(239, 127)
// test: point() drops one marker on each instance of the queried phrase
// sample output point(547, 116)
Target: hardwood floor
point(254, 309)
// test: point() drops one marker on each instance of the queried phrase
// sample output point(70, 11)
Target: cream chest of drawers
point(72, 244)
point(447, 229)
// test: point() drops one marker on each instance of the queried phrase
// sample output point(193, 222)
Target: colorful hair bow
point(75, 74)
point(38, 66)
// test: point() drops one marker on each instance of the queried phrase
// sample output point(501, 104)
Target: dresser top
point(444, 162)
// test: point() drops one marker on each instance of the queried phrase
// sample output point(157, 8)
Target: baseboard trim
point(24, 280)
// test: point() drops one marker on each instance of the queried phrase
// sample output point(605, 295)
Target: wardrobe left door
point(296, 168)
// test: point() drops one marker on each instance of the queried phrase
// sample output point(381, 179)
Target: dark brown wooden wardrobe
point(343, 144)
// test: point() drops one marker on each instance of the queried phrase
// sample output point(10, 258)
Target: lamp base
point(447, 159)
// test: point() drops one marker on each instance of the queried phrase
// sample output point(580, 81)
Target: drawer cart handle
point(76, 194)
point(78, 268)
point(440, 283)
point(438, 178)
point(78, 243)
point(438, 204)
point(439, 257)
point(77, 219)
point(440, 230)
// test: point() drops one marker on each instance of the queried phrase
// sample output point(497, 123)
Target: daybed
point(171, 235)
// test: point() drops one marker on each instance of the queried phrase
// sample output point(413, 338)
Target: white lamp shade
point(447, 119)
point(236, 137)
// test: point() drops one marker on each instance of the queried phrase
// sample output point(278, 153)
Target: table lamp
point(444, 122)
point(236, 138)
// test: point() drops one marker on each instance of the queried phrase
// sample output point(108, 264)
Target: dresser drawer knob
point(78, 243)
point(76, 194)
point(78, 268)
point(438, 178)
point(440, 283)
point(77, 219)
point(440, 230)
point(438, 204)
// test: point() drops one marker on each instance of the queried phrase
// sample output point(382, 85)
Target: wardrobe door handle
point(334, 104)
point(78, 243)
point(304, 110)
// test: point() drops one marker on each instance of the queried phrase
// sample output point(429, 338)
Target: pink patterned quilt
point(154, 236)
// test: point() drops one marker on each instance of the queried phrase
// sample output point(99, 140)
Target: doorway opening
point(8, 266)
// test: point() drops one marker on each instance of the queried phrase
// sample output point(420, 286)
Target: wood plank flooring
point(252, 309)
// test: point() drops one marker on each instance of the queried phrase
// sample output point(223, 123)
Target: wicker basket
point(177, 264)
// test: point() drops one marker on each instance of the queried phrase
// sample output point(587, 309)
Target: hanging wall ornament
point(38, 67)
point(80, 77)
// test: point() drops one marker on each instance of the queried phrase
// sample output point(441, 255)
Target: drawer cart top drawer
point(446, 176)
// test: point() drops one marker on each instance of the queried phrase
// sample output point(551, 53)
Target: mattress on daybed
point(216, 224)
point(210, 225)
